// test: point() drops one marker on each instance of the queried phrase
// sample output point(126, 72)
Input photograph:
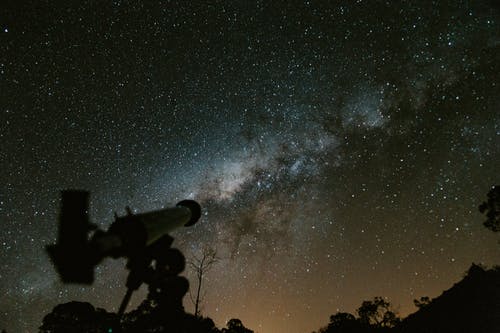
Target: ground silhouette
point(470, 306)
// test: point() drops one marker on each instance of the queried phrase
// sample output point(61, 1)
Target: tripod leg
point(125, 301)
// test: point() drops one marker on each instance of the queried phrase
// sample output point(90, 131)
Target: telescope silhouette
point(77, 253)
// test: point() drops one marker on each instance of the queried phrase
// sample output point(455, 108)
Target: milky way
point(339, 150)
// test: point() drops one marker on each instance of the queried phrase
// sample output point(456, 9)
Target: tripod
point(158, 265)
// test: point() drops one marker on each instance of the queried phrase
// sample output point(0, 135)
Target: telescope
point(81, 246)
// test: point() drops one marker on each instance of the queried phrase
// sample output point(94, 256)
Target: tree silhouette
point(78, 317)
point(492, 209)
point(236, 326)
point(378, 313)
point(373, 316)
point(343, 322)
point(422, 302)
point(201, 265)
point(340, 318)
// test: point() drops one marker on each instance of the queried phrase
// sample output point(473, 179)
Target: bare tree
point(201, 265)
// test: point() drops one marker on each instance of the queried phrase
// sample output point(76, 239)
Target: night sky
point(339, 149)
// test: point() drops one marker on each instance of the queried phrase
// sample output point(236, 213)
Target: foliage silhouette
point(78, 317)
point(422, 302)
point(492, 209)
point(373, 316)
point(378, 313)
point(345, 323)
point(236, 326)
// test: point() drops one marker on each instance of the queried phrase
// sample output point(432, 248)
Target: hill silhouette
point(471, 305)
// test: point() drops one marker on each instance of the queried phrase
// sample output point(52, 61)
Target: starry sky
point(339, 149)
